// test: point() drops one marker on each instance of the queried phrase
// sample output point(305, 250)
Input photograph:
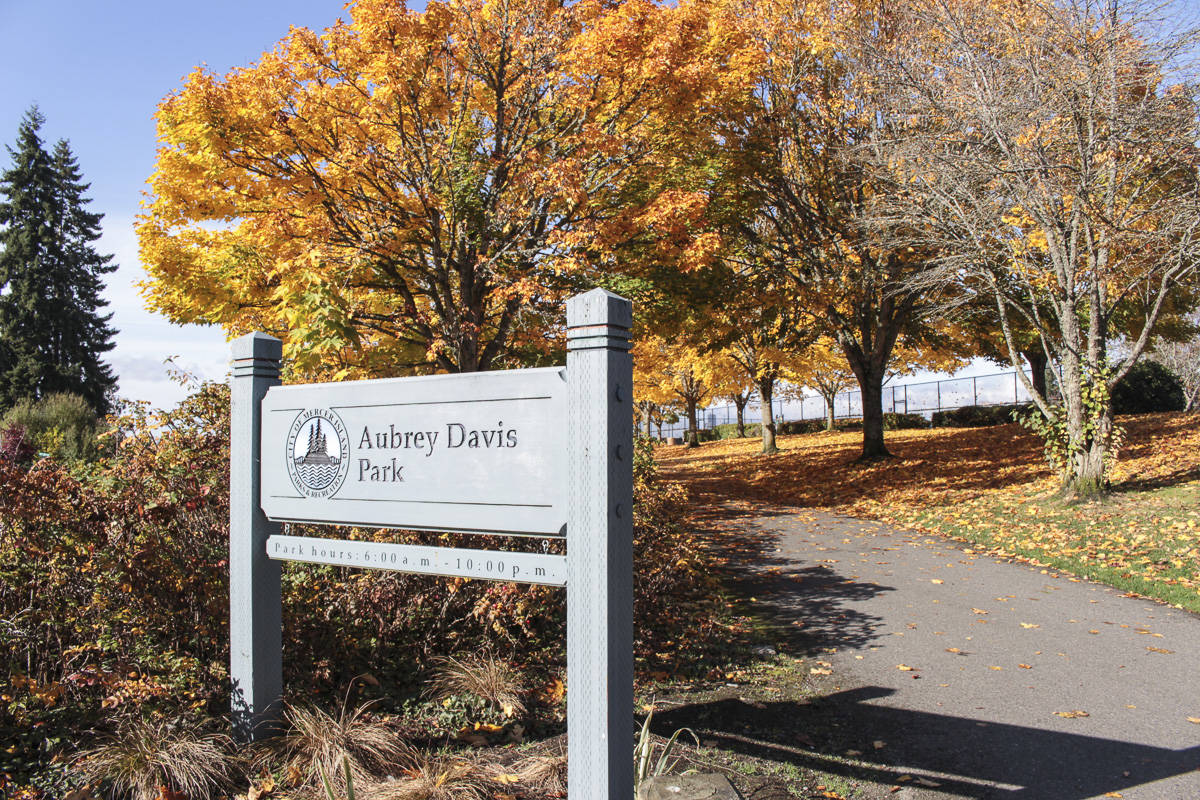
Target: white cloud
point(145, 340)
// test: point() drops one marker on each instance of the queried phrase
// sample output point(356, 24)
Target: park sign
point(535, 452)
point(477, 452)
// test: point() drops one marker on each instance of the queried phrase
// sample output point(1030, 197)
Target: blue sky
point(97, 70)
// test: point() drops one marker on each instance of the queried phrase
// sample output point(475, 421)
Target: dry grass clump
point(487, 677)
point(544, 773)
point(433, 779)
point(318, 743)
point(148, 754)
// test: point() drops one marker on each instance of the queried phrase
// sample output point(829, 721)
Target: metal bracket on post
point(600, 721)
point(255, 621)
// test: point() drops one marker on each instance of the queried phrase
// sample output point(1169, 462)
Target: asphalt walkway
point(973, 677)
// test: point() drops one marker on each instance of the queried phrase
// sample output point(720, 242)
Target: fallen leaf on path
point(994, 667)
point(1029, 625)
point(1194, 720)
point(978, 611)
point(927, 782)
point(1093, 631)
point(1071, 714)
point(1025, 666)
point(820, 671)
point(936, 580)
point(953, 650)
point(1160, 650)
point(905, 667)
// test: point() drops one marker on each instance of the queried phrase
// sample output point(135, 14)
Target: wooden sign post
point(536, 452)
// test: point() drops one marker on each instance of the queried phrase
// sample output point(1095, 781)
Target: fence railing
point(925, 398)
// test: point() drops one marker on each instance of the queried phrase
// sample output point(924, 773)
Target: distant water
point(317, 476)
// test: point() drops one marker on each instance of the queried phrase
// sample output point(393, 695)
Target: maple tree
point(1057, 178)
point(419, 191)
point(676, 373)
point(824, 369)
point(807, 179)
point(763, 341)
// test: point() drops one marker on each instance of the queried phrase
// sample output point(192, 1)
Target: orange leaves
point(988, 487)
point(408, 190)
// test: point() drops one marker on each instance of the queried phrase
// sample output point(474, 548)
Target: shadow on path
point(806, 606)
point(970, 759)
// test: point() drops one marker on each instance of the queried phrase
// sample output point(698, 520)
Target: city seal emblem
point(318, 453)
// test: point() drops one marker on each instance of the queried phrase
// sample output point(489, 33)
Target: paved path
point(991, 651)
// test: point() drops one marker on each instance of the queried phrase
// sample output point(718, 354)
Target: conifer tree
point(52, 334)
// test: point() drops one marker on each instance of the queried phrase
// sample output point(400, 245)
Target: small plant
point(644, 765)
point(486, 677)
point(149, 754)
point(433, 779)
point(320, 747)
point(544, 773)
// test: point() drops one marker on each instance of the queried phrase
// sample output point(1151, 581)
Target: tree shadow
point(967, 757)
point(805, 606)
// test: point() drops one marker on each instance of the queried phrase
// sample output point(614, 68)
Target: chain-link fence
point(925, 398)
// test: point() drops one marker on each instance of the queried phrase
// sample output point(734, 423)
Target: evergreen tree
point(52, 333)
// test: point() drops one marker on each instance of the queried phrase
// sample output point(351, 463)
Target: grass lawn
point(991, 488)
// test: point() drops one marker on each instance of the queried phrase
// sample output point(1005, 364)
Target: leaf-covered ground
point(988, 486)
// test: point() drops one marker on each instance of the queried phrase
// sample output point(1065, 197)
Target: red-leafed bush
point(114, 592)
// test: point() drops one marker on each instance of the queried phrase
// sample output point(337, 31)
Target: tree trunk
point(1088, 434)
point(740, 401)
point(871, 386)
point(766, 391)
point(693, 428)
point(830, 411)
point(1087, 477)
point(1037, 368)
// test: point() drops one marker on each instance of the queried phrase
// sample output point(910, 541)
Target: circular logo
point(318, 452)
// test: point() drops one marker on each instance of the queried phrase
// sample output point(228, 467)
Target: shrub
point(976, 416)
point(114, 592)
point(61, 425)
point(1146, 388)
point(349, 746)
point(149, 754)
point(16, 446)
point(486, 677)
point(899, 422)
point(801, 426)
point(729, 430)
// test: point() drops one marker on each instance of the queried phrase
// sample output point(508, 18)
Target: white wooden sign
point(481, 452)
point(538, 452)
